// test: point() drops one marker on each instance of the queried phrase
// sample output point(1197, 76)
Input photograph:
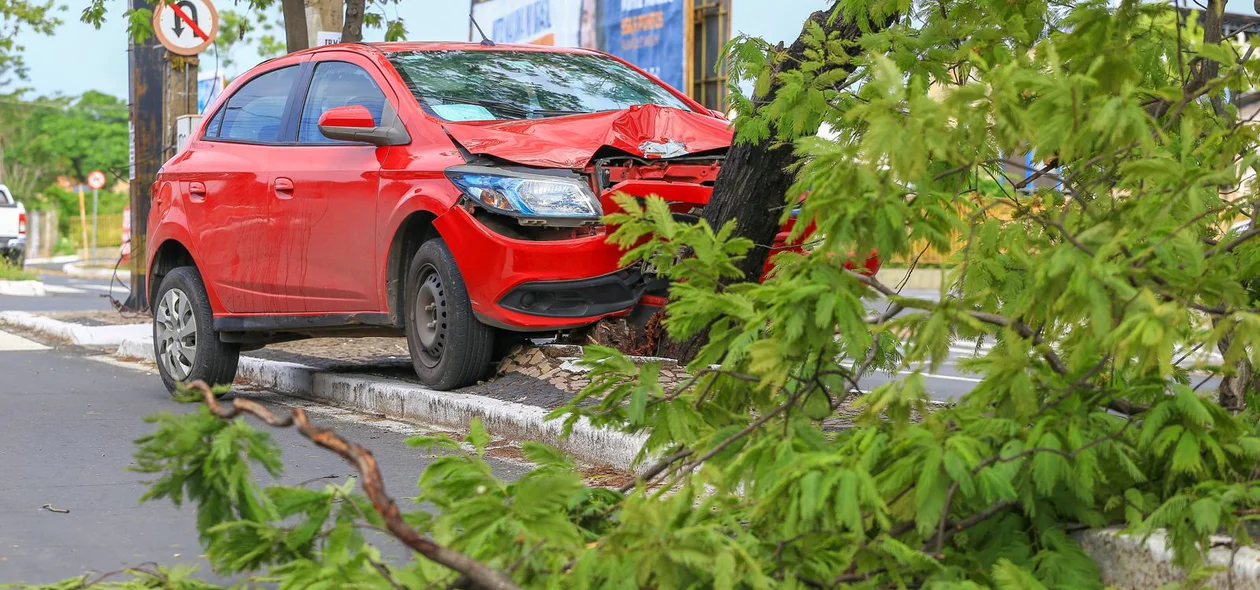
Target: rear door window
point(255, 113)
point(338, 84)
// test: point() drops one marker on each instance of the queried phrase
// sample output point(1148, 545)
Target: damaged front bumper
point(537, 286)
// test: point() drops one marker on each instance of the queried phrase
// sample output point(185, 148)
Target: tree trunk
point(1232, 393)
point(352, 32)
point(752, 186)
point(295, 34)
point(323, 15)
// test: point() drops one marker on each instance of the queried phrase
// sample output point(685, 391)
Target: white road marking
point(61, 290)
point(943, 377)
point(12, 342)
point(103, 288)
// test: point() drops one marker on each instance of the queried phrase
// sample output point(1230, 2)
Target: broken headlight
point(530, 197)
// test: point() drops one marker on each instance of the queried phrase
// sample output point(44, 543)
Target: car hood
point(571, 141)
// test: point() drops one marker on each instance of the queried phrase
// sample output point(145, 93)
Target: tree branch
point(478, 573)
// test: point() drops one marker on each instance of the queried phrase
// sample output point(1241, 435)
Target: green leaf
point(477, 436)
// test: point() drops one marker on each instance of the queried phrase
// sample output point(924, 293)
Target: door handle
point(284, 188)
point(197, 191)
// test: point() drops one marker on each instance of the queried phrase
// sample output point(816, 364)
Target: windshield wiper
point(505, 106)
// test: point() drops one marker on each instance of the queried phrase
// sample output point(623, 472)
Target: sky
point(99, 58)
point(79, 57)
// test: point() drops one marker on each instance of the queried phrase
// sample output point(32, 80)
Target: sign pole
point(83, 224)
point(95, 217)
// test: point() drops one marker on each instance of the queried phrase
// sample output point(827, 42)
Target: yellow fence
point(109, 228)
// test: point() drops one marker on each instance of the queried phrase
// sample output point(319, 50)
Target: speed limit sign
point(96, 180)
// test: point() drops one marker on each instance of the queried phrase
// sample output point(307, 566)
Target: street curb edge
point(394, 399)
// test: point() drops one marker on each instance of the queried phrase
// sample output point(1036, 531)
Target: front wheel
point(185, 344)
point(449, 347)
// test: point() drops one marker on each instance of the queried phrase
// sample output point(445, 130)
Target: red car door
point(224, 181)
point(324, 195)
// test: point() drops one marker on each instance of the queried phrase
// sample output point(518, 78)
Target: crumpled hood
point(571, 141)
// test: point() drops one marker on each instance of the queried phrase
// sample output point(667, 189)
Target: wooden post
point(83, 226)
point(181, 98)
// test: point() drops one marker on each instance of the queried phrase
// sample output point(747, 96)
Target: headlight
point(527, 195)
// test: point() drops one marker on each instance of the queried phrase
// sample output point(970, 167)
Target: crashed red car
point(451, 192)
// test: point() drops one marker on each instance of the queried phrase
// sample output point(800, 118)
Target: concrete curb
point(76, 269)
point(22, 288)
point(102, 336)
point(1129, 564)
point(395, 399)
point(63, 259)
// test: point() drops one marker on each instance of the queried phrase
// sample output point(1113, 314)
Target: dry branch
point(477, 573)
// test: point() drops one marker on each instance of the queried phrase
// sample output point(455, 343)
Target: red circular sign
point(96, 180)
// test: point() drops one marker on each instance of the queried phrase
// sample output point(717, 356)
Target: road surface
point(66, 293)
point(67, 441)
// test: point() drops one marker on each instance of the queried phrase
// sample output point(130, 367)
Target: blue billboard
point(651, 34)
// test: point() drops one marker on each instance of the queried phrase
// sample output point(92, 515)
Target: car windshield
point(490, 85)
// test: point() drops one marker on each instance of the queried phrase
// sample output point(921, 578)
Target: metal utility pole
point(146, 68)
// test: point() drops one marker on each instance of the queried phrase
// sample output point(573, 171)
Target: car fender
point(432, 194)
point(172, 228)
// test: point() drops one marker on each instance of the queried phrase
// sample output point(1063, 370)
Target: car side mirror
point(355, 123)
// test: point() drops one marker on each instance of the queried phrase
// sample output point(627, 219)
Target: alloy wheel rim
point(176, 334)
point(431, 316)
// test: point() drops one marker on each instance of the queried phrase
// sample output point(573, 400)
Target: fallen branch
point(478, 574)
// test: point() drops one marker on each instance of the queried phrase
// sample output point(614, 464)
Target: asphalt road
point(66, 293)
point(67, 441)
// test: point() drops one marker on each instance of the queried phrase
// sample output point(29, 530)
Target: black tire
point(213, 360)
point(449, 347)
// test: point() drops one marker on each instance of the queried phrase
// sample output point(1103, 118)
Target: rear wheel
point(185, 344)
point(449, 347)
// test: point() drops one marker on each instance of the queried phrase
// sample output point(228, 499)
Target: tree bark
point(1232, 394)
point(751, 188)
point(323, 15)
point(295, 33)
point(352, 31)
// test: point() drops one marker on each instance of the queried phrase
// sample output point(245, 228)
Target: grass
point(8, 272)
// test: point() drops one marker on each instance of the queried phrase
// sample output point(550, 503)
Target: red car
point(452, 192)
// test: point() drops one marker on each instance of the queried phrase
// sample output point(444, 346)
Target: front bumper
point(580, 280)
point(596, 296)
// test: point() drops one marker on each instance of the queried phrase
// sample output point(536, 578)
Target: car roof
point(409, 46)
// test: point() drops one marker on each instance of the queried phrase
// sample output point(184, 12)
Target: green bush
point(9, 272)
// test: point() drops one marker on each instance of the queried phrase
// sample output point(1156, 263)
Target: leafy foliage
point(17, 16)
point(262, 15)
point(1096, 288)
point(47, 138)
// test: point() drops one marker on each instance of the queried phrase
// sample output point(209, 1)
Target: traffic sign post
point(186, 27)
point(96, 181)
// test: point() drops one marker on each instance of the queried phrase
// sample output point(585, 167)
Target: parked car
point(450, 192)
point(12, 229)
